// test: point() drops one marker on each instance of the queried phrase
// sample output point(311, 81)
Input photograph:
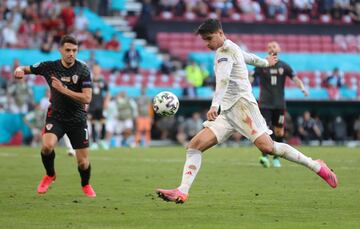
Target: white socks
point(289, 153)
point(191, 168)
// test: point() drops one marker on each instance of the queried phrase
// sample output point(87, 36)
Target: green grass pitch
point(231, 191)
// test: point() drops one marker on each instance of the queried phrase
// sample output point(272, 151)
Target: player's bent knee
point(47, 148)
point(83, 164)
point(266, 148)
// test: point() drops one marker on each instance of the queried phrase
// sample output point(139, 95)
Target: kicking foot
point(173, 195)
point(89, 191)
point(276, 163)
point(45, 183)
point(327, 174)
point(264, 161)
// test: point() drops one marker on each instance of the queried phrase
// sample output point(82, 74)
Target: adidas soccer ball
point(165, 103)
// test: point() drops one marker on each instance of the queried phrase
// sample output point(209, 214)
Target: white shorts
point(243, 117)
point(111, 126)
point(117, 127)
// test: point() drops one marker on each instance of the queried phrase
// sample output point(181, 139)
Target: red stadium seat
point(126, 80)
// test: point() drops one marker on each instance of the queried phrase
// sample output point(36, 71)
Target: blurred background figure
point(357, 129)
point(195, 76)
point(333, 83)
point(308, 129)
point(113, 44)
point(35, 121)
point(132, 59)
point(339, 130)
point(99, 102)
point(188, 128)
point(111, 115)
point(127, 111)
point(143, 120)
point(19, 97)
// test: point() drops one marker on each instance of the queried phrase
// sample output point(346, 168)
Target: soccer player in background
point(71, 88)
point(143, 120)
point(272, 99)
point(239, 113)
point(100, 99)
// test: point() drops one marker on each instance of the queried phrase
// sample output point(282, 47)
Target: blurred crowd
point(39, 24)
point(270, 9)
point(123, 121)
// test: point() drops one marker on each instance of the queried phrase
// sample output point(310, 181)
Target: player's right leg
point(79, 137)
point(49, 141)
point(84, 169)
point(198, 144)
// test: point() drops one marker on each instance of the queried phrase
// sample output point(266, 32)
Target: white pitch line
point(104, 158)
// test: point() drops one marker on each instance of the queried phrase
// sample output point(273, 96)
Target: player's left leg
point(79, 138)
point(267, 145)
point(84, 169)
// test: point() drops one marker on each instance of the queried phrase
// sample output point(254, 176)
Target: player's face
point(273, 48)
point(68, 53)
point(214, 40)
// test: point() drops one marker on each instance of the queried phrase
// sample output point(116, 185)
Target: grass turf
point(231, 191)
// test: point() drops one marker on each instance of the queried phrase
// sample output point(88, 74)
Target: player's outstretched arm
point(253, 59)
point(21, 71)
point(300, 84)
point(81, 97)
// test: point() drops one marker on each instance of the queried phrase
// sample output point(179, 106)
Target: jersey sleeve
point(289, 71)
point(253, 59)
point(40, 68)
point(223, 67)
point(86, 79)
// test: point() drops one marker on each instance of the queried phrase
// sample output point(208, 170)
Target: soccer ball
point(165, 103)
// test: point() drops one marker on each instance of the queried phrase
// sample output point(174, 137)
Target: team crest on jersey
point(75, 78)
point(49, 126)
point(222, 59)
point(281, 71)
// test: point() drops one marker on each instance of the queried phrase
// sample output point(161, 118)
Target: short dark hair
point(68, 39)
point(209, 26)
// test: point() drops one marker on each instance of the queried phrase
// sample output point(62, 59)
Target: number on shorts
point(86, 134)
point(281, 119)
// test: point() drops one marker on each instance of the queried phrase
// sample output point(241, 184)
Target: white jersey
point(232, 77)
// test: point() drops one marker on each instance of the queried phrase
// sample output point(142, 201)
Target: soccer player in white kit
point(239, 113)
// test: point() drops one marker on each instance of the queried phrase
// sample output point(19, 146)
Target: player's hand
point(19, 73)
point(272, 59)
point(56, 83)
point(212, 113)
point(306, 93)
